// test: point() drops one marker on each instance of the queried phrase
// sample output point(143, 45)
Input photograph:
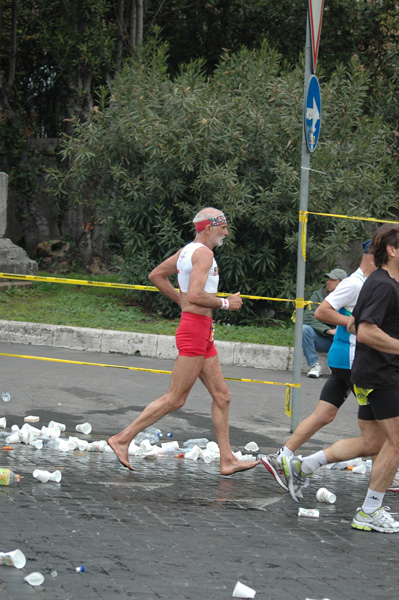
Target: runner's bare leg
point(185, 372)
point(212, 377)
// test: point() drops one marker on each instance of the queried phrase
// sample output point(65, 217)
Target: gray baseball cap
point(337, 274)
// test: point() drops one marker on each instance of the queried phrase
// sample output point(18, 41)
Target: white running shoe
point(276, 469)
point(315, 371)
point(297, 480)
point(394, 487)
point(380, 520)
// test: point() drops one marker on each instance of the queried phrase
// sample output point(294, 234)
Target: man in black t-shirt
point(375, 375)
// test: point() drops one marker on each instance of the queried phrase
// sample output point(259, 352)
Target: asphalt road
point(175, 529)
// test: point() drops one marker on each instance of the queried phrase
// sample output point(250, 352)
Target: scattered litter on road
point(324, 495)
point(16, 559)
point(243, 591)
point(34, 578)
point(251, 447)
point(45, 476)
point(80, 569)
point(8, 477)
point(308, 512)
point(360, 469)
point(31, 419)
point(83, 428)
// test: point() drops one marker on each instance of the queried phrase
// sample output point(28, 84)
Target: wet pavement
point(175, 529)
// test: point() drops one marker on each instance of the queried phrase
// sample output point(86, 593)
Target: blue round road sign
point(312, 116)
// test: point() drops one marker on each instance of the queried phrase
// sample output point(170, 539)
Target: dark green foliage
point(158, 149)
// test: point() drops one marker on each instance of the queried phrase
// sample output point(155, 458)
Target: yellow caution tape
point(303, 218)
point(352, 218)
point(288, 409)
point(76, 362)
point(301, 303)
point(124, 286)
point(147, 288)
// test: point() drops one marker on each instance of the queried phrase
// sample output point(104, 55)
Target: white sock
point(284, 451)
point(372, 501)
point(311, 463)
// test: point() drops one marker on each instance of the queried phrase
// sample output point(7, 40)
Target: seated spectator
point(318, 336)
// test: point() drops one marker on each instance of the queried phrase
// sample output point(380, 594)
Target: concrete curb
point(276, 358)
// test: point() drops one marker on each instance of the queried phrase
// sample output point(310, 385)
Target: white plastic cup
point(359, 469)
point(45, 476)
point(145, 446)
point(34, 578)
point(248, 457)
point(59, 444)
point(207, 456)
point(133, 448)
point(252, 447)
point(29, 433)
point(324, 495)
point(60, 426)
point(55, 476)
point(3, 422)
point(193, 454)
point(73, 442)
point(82, 445)
point(213, 447)
point(42, 476)
point(170, 445)
point(83, 428)
point(13, 438)
point(52, 432)
point(13, 559)
point(243, 591)
point(152, 454)
point(97, 446)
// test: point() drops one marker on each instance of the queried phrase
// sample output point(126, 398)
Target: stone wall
point(36, 218)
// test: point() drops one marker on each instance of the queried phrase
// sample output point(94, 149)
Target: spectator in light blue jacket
point(318, 336)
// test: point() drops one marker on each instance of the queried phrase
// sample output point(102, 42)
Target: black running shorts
point(383, 404)
point(337, 387)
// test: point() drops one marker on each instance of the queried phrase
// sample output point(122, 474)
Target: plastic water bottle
point(346, 463)
point(8, 477)
point(200, 442)
point(5, 396)
point(150, 433)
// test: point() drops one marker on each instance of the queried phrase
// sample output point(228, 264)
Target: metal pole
point(301, 263)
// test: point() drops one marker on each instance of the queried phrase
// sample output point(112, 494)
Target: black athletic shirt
point(378, 304)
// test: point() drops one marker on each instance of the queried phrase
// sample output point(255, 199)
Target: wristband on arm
point(225, 304)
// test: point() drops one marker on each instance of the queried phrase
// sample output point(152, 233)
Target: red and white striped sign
point(315, 18)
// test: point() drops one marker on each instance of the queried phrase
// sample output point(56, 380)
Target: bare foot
point(238, 465)
point(121, 452)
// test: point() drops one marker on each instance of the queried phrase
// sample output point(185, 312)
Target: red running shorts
point(194, 336)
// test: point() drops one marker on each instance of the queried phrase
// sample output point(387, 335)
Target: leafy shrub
point(158, 149)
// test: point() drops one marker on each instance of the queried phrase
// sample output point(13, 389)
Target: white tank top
point(185, 266)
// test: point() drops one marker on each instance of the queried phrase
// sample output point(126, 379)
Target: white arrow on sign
point(315, 17)
point(313, 113)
